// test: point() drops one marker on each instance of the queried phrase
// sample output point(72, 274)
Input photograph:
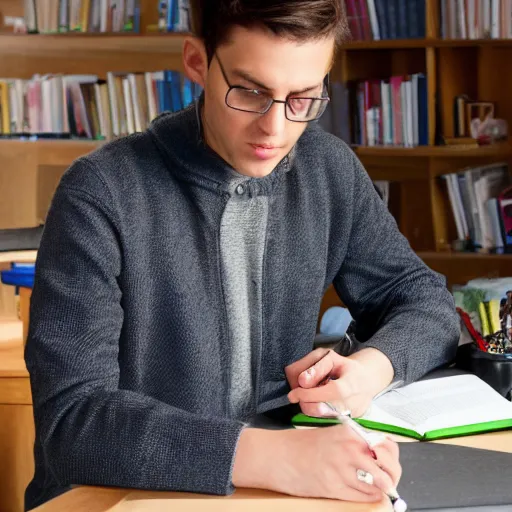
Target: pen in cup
point(372, 439)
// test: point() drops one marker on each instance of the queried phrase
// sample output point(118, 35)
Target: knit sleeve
point(400, 306)
point(92, 431)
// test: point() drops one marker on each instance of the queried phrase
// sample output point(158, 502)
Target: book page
point(440, 403)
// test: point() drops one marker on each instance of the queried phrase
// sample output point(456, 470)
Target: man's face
point(253, 144)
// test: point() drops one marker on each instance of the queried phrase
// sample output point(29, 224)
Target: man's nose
point(274, 121)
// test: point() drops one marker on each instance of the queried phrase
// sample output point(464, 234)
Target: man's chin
point(258, 169)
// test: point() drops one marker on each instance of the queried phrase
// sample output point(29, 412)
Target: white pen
point(372, 439)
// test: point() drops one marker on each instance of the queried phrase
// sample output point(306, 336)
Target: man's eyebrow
point(247, 77)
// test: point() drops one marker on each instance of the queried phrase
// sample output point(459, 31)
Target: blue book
point(381, 9)
point(402, 28)
point(188, 97)
point(392, 11)
point(136, 19)
point(413, 20)
point(176, 97)
point(171, 6)
point(164, 96)
point(19, 275)
point(422, 15)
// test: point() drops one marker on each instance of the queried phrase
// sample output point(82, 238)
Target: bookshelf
point(420, 204)
point(452, 66)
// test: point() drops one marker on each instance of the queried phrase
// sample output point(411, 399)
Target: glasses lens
point(248, 100)
point(305, 109)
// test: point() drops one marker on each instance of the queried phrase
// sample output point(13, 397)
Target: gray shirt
point(242, 243)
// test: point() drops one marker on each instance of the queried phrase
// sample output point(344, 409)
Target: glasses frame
point(327, 99)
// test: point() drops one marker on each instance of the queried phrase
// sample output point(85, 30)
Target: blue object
point(335, 321)
point(20, 274)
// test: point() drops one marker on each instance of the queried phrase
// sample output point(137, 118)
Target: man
point(180, 275)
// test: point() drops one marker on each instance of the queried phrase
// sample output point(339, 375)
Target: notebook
point(433, 409)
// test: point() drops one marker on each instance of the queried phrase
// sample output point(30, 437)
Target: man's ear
point(195, 61)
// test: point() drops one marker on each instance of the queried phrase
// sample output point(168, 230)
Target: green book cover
point(301, 420)
point(432, 409)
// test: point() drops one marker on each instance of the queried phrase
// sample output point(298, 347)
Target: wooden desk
point(16, 427)
point(100, 499)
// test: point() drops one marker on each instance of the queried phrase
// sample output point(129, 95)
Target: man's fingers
point(327, 393)
point(393, 470)
point(389, 447)
point(387, 460)
point(365, 488)
point(295, 369)
point(321, 410)
point(381, 479)
point(315, 374)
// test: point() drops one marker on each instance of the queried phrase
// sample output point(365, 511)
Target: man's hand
point(317, 463)
point(349, 383)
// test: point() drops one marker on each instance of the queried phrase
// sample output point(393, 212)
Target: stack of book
point(83, 106)
point(481, 206)
point(476, 19)
point(389, 112)
point(377, 20)
point(174, 16)
point(94, 16)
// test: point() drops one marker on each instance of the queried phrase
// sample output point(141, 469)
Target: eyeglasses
point(297, 109)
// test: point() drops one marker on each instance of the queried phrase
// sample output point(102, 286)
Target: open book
point(433, 409)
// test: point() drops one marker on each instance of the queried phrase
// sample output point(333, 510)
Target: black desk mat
point(446, 477)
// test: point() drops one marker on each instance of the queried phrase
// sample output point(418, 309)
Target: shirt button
point(240, 190)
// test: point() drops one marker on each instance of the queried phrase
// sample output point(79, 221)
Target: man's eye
point(298, 104)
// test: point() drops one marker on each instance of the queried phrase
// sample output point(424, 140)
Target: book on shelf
point(435, 408)
point(476, 19)
point(391, 112)
point(174, 16)
point(378, 20)
point(85, 106)
point(476, 197)
point(87, 16)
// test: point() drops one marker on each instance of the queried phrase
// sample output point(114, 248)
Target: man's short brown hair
point(298, 20)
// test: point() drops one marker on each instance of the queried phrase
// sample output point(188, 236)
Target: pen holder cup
point(495, 369)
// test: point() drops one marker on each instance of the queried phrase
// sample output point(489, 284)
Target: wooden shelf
point(34, 44)
point(404, 44)
point(436, 151)
point(48, 152)
point(454, 43)
point(388, 44)
point(459, 268)
point(29, 174)
point(10, 329)
point(462, 257)
point(18, 256)
point(90, 44)
point(426, 162)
